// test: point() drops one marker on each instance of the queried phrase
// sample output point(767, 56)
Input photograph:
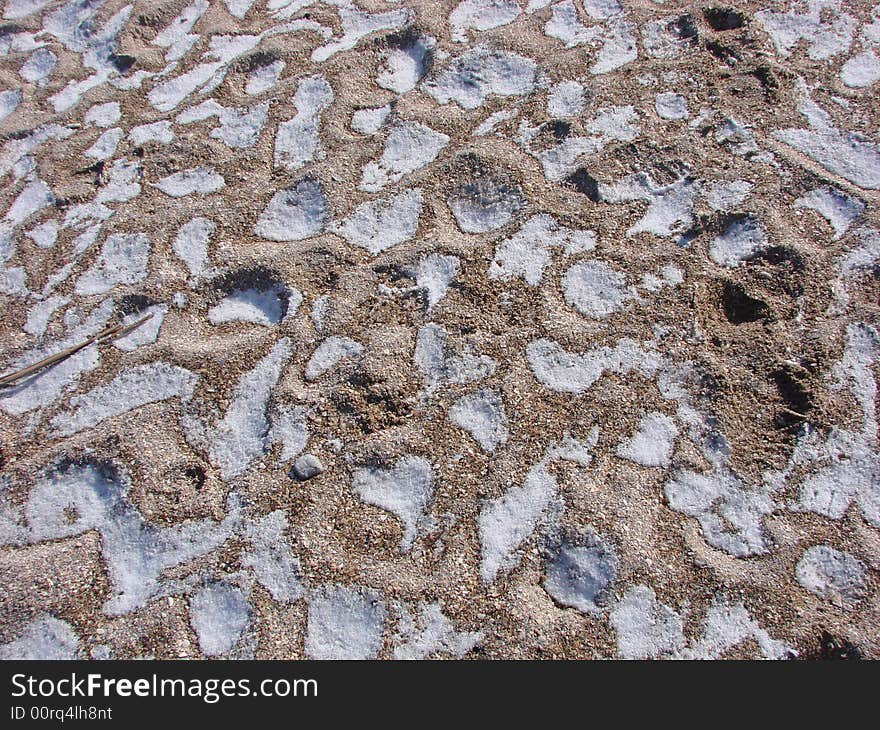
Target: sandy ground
point(762, 352)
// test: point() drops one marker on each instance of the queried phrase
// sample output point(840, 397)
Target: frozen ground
point(483, 328)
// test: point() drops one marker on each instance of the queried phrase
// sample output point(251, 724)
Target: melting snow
point(294, 214)
point(652, 444)
point(344, 623)
point(409, 146)
point(580, 573)
point(201, 180)
point(832, 574)
point(380, 224)
point(329, 353)
point(297, 141)
point(482, 415)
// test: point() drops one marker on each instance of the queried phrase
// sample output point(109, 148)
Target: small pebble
point(306, 467)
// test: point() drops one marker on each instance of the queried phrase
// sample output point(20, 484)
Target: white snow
point(482, 415)
point(847, 154)
point(103, 115)
point(191, 245)
point(290, 429)
point(129, 390)
point(329, 353)
point(566, 372)
point(488, 125)
point(239, 128)
point(345, 622)
point(725, 196)
point(159, 132)
point(652, 443)
point(486, 204)
point(566, 99)
point(861, 70)
point(258, 306)
point(838, 208)
point(198, 180)
point(646, 628)
point(480, 72)
point(435, 274)
point(595, 289)
point(404, 67)
point(580, 573)
point(219, 615)
point(356, 24)
point(44, 638)
point(378, 225)
point(39, 66)
point(435, 634)
point(742, 238)
point(832, 574)
point(105, 146)
point(136, 553)
point(294, 214)
point(297, 141)
point(370, 121)
point(505, 522)
point(41, 312)
point(406, 490)
point(9, 101)
point(671, 106)
point(271, 558)
point(670, 207)
point(263, 78)
point(481, 15)
point(123, 260)
point(143, 334)
point(826, 29)
point(242, 435)
point(408, 147)
point(527, 252)
point(440, 365)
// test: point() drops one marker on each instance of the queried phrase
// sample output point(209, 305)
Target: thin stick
point(114, 331)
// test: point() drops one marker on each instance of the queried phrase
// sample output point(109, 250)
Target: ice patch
point(485, 204)
point(344, 623)
point(670, 207)
point(263, 78)
point(129, 390)
point(832, 574)
point(476, 74)
point(566, 372)
point(355, 25)
point(671, 106)
point(191, 245)
point(145, 333)
point(646, 628)
point(242, 434)
point(580, 574)
point(405, 67)
point(482, 415)
point(329, 353)
point(847, 154)
point(39, 66)
point(290, 429)
point(742, 239)
point(103, 115)
point(505, 522)
point(274, 565)
point(380, 224)
point(838, 208)
point(440, 365)
point(435, 635)
point(725, 196)
point(434, 275)
point(826, 29)
point(219, 615)
point(297, 141)
point(481, 15)
point(527, 252)
point(405, 490)
point(258, 306)
point(294, 214)
point(123, 260)
point(159, 132)
point(46, 638)
point(566, 99)
point(370, 121)
point(595, 289)
point(861, 70)
point(200, 180)
point(409, 147)
point(652, 444)
point(136, 553)
point(239, 126)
